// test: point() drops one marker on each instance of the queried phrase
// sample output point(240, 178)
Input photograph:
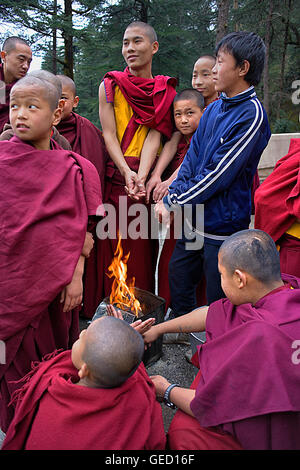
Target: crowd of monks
point(53, 266)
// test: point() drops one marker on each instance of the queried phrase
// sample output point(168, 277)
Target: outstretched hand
point(140, 326)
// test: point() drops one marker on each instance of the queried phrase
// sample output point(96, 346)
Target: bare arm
point(188, 323)
point(71, 295)
point(149, 153)
point(108, 123)
point(181, 397)
point(167, 154)
point(161, 189)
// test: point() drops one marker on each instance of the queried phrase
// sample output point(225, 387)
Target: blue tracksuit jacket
point(220, 164)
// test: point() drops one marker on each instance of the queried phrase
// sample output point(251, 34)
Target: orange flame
point(122, 293)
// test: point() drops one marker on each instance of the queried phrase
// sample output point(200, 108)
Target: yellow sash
point(123, 113)
point(294, 230)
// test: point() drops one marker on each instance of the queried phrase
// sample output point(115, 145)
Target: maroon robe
point(249, 384)
point(87, 140)
point(277, 207)
point(151, 101)
point(4, 100)
point(76, 417)
point(46, 199)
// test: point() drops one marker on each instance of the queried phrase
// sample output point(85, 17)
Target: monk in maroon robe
point(48, 195)
point(135, 113)
point(98, 397)
point(277, 212)
point(86, 140)
point(247, 391)
point(16, 57)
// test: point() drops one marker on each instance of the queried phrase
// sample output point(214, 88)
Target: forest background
point(83, 39)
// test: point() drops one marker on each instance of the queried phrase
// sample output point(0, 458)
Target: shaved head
point(11, 43)
point(254, 252)
point(190, 94)
point(148, 29)
point(67, 82)
point(49, 77)
point(49, 90)
point(112, 352)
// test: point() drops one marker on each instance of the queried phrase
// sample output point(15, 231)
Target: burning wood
point(122, 292)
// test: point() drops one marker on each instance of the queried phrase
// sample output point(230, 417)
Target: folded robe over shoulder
point(87, 140)
point(53, 413)
point(45, 200)
point(150, 100)
point(249, 381)
point(277, 201)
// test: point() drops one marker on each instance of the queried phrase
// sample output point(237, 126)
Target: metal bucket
point(196, 339)
point(153, 306)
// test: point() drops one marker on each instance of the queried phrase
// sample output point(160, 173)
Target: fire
point(122, 293)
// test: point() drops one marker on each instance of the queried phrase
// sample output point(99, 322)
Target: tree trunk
point(266, 69)
point(283, 59)
point(54, 40)
point(68, 40)
point(223, 13)
point(143, 10)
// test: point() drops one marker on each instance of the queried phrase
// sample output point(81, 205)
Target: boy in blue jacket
point(218, 170)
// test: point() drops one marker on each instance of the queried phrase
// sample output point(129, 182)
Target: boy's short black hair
point(190, 94)
point(244, 45)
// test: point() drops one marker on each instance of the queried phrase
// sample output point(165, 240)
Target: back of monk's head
point(113, 351)
point(254, 252)
point(49, 91)
point(147, 28)
point(190, 94)
point(48, 76)
point(67, 82)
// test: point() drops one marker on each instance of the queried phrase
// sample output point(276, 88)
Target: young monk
point(97, 397)
point(187, 110)
point(16, 57)
point(135, 112)
point(7, 133)
point(86, 140)
point(202, 78)
point(47, 196)
point(277, 211)
point(246, 394)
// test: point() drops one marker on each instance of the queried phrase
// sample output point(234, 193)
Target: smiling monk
point(135, 113)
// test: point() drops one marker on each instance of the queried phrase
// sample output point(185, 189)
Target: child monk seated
point(99, 396)
point(246, 394)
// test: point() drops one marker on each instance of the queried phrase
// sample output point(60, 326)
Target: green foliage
point(185, 31)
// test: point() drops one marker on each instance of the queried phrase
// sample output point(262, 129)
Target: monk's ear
point(76, 101)
point(83, 371)
point(240, 278)
point(155, 47)
point(57, 116)
point(3, 55)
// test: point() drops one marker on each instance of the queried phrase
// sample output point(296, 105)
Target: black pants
point(186, 269)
